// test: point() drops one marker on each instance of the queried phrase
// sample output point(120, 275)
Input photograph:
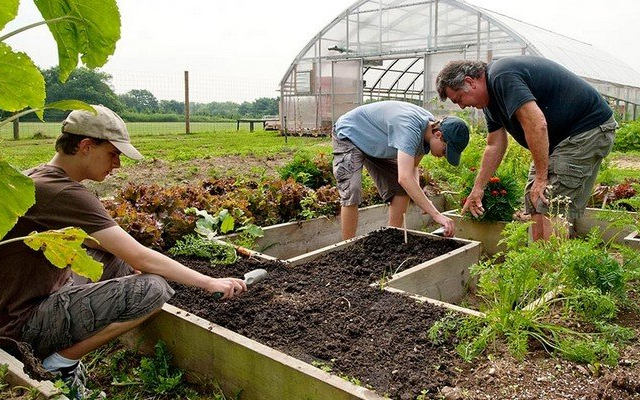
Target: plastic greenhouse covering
point(393, 49)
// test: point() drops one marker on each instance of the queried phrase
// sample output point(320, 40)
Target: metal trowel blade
point(255, 276)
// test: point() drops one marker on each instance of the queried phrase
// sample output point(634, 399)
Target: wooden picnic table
point(251, 121)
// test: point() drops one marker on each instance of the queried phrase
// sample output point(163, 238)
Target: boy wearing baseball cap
point(389, 138)
point(41, 304)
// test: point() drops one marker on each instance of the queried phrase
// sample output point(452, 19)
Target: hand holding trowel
point(250, 278)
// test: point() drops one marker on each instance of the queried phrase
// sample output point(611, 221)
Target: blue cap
point(456, 134)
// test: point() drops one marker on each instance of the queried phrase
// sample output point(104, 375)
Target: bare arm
point(119, 243)
point(534, 125)
point(497, 142)
point(408, 178)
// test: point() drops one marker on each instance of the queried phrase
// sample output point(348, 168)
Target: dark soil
point(325, 311)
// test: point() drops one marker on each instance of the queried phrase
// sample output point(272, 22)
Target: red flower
point(494, 179)
point(503, 192)
point(494, 192)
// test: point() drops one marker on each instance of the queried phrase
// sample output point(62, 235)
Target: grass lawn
point(177, 147)
point(52, 129)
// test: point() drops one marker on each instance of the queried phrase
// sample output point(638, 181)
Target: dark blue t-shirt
point(569, 104)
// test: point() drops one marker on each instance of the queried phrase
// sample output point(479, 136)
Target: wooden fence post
point(186, 102)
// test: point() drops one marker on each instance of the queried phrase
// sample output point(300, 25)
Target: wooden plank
point(445, 278)
point(208, 351)
point(589, 220)
point(312, 255)
point(488, 233)
point(633, 240)
point(449, 306)
point(17, 377)
point(292, 239)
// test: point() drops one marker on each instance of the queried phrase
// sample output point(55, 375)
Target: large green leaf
point(17, 193)
point(71, 105)
point(8, 11)
point(21, 83)
point(92, 34)
point(63, 249)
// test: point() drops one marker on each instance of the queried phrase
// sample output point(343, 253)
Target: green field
point(173, 147)
point(52, 129)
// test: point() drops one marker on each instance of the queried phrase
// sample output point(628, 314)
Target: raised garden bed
point(324, 311)
point(489, 232)
point(590, 220)
point(633, 240)
point(291, 239)
point(486, 232)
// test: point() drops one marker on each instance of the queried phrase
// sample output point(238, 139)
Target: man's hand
point(447, 223)
point(473, 203)
point(229, 287)
point(537, 192)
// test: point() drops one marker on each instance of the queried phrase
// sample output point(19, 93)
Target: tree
point(140, 100)
point(172, 107)
point(83, 84)
point(265, 106)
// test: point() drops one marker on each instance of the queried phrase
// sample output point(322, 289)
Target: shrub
point(313, 173)
point(628, 137)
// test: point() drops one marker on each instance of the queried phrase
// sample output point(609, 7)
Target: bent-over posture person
point(39, 303)
point(564, 122)
point(389, 138)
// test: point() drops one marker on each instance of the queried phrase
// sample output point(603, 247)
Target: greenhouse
point(393, 49)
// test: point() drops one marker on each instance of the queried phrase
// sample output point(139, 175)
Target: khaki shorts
point(348, 161)
point(573, 168)
point(77, 312)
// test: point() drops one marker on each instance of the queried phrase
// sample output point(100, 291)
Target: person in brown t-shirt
point(39, 303)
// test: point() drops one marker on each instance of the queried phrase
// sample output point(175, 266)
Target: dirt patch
point(626, 161)
point(165, 173)
point(325, 312)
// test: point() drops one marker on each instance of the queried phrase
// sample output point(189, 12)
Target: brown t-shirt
point(26, 276)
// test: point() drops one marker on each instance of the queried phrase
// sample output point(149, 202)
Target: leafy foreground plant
point(123, 374)
point(562, 295)
point(204, 245)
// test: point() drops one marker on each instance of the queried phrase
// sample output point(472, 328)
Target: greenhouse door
point(346, 86)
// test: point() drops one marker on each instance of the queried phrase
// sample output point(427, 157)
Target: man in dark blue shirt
point(564, 122)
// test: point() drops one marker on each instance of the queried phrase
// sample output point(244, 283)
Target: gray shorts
point(348, 161)
point(77, 312)
point(573, 169)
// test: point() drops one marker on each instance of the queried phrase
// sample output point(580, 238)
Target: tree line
point(140, 105)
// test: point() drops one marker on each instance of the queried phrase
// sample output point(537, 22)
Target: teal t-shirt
point(381, 129)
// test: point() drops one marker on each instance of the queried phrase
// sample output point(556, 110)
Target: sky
point(239, 50)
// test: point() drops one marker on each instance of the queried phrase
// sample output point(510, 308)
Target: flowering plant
point(502, 197)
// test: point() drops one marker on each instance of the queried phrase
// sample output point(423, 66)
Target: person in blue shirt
point(564, 122)
point(389, 138)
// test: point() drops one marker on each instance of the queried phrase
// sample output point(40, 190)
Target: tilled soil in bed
point(326, 312)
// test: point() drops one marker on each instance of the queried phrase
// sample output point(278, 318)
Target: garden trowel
point(250, 278)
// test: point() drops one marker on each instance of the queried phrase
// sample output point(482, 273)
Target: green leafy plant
point(628, 137)
point(89, 35)
point(200, 247)
point(562, 294)
point(156, 374)
point(312, 173)
point(502, 197)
